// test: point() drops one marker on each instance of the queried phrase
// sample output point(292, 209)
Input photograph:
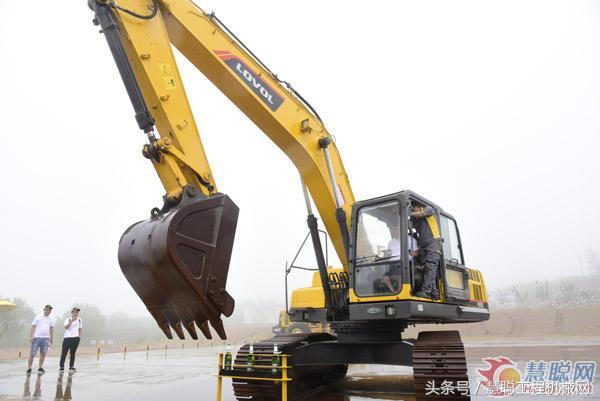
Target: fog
point(490, 109)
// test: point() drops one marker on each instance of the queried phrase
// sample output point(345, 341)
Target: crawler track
point(305, 380)
point(439, 356)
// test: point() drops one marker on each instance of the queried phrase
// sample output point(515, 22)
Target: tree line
point(116, 327)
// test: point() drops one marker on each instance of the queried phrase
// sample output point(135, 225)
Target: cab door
point(454, 273)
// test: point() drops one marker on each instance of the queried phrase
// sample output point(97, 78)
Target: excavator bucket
point(177, 262)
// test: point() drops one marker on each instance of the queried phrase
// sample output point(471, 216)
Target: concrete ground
point(190, 375)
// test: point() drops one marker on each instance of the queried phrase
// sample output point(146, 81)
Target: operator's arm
point(417, 215)
point(68, 323)
point(421, 214)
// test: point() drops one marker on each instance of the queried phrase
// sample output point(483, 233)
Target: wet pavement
point(190, 375)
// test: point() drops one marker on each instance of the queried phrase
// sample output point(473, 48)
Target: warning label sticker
point(167, 76)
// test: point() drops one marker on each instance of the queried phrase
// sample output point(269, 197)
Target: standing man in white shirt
point(73, 327)
point(40, 336)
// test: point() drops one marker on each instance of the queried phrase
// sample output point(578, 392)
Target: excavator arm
point(178, 260)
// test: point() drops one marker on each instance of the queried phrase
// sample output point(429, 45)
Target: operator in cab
point(429, 242)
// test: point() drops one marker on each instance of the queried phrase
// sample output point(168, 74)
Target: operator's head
point(47, 310)
point(416, 206)
point(75, 311)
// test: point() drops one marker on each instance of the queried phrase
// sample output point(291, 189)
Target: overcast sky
point(490, 109)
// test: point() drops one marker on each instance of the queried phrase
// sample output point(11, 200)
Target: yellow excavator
point(284, 325)
point(177, 260)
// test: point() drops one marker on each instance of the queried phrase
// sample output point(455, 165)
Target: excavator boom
point(178, 260)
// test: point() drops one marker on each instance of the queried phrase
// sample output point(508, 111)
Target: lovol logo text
point(267, 94)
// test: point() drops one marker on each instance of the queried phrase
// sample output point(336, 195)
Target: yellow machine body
point(178, 260)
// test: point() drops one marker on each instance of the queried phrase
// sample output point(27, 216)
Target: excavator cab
point(386, 266)
point(178, 260)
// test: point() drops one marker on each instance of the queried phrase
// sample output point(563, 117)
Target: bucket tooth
point(174, 319)
point(166, 329)
point(178, 262)
point(187, 317)
point(218, 327)
point(191, 328)
point(162, 322)
point(203, 326)
point(178, 330)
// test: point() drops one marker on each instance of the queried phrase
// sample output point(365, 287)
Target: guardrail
point(263, 372)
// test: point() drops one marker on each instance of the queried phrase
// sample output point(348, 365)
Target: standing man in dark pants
point(73, 327)
point(428, 229)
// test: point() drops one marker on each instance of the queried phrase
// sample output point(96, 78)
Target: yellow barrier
point(284, 379)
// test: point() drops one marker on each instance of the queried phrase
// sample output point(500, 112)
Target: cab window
point(378, 233)
point(451, 243)
point(378, 250)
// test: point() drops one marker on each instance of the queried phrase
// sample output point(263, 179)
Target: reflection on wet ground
point(63, 392)
point(189, 375)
